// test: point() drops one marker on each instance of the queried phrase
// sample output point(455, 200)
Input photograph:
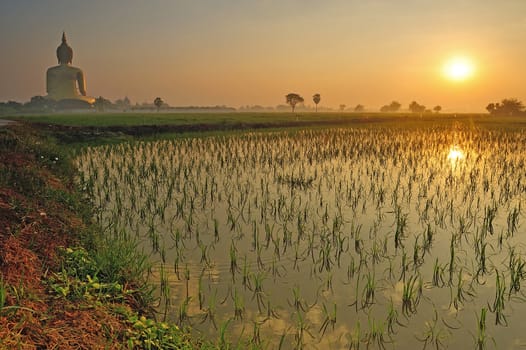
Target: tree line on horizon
point(38, 104)
point(506, 107)
point(293, 99)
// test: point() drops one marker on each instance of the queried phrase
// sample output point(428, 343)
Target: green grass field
point(273, 119)
point(137, 119)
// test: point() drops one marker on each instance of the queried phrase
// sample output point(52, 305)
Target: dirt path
point(4, 122)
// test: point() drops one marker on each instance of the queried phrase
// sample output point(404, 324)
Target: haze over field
point(459, 54)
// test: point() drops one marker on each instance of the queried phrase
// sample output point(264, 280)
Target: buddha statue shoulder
point(65, 82)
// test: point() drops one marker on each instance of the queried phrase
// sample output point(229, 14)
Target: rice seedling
point(513, 220)
point(351, 269)
point(412, 291)
point(233, 260)
point(461, 293)
point(223, 342)
point(516, 271)
point(482, 337)
point(499, 302)
point(428, 238)
point(392, 319)
point(438, 274)
point(480, 251)
point(376, 336)
point(404, 267)
point(205, 259)
point(271, 313)
point(183, 311)
point(256, 337)
point(452, 260)
point(246, 274)
point(354, 337)
point(200, 294)
point(211, 310)
point(401, 225)
point(418, 258)
point(329, 318)
point(302, 329)
point(369, 290)
point(434, 333)
point(259, 294)
point(489, 218)
point(328, 283)
point(239, 305)
point(298, 302)
point(187, 279)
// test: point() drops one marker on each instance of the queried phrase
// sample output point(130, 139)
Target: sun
point(459, 69)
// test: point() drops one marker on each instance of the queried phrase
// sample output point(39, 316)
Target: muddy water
point(322, 239)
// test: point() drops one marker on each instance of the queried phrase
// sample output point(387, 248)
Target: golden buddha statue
point(62, 80)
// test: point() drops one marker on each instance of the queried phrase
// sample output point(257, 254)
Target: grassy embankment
point(95, 128)
point(64, 283)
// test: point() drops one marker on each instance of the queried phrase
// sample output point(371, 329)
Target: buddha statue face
point(64, 52)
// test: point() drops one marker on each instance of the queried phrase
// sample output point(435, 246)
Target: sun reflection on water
point(455, 154)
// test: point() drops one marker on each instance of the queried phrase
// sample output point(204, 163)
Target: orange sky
point(235, 53)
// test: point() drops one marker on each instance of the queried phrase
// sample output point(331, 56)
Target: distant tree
point(39, 103)
point(316, 98)
point(437, 109)
point(359, 108)
point(14, 104)
point(395, 106)
point(342, 107)
point(282, 108)
point(158, 102)
point(511, 106)
point(37, 100)
point(507, 107)
point(415, 107)
point(491, 108)
point(10, 106)
point(292, 99)
point(101, 103)
point(392, 107)
point(123, 104)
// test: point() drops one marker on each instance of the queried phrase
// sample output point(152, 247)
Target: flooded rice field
point(328, 239)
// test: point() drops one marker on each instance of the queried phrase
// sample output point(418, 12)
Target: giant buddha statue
point(64, 83)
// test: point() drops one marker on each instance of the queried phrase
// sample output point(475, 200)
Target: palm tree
point(316, 98)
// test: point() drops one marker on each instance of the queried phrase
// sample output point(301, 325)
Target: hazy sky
point(208, 52)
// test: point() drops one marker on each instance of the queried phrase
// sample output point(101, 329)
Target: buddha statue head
point(64, 52)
